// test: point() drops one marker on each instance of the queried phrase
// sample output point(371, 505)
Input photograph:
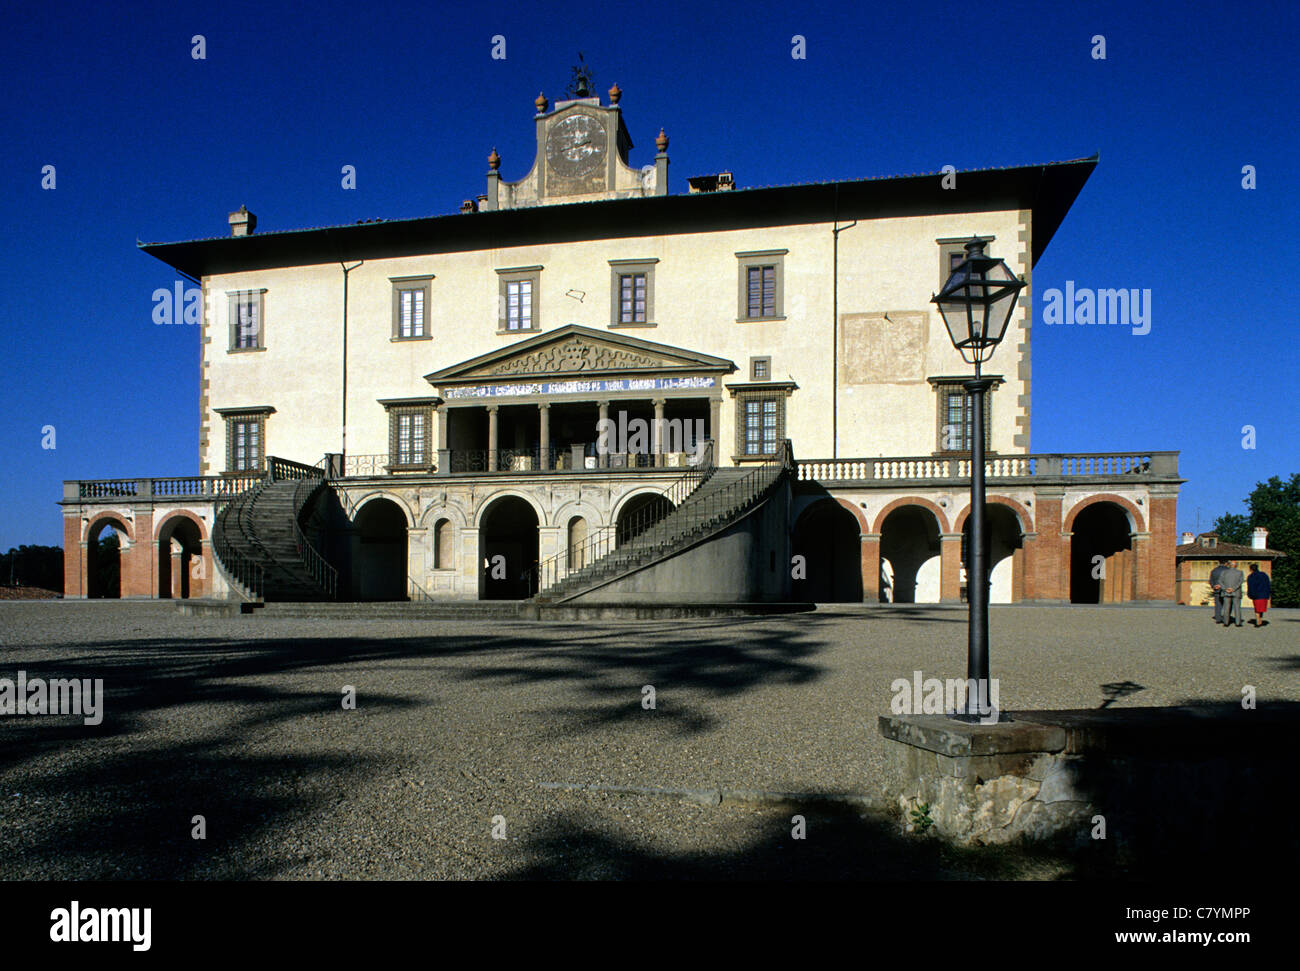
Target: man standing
point(1216, 591)
point(1258, 589)
point(1230, 581)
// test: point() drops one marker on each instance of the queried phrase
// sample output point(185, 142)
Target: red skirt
point(1261, 605)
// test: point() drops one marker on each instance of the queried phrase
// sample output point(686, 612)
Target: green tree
point(1275, 505)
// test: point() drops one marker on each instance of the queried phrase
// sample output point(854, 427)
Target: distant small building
point(1194, 558)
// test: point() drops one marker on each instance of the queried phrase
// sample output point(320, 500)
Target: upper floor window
point(760, 369)
point(762, 285)
point(519, 299)
point(760, 418)
point(245, 438)
point(952, 250)
point(956, 415)
point(411, 307)
point(632, 287)
point(410, 432)
point(246, 323)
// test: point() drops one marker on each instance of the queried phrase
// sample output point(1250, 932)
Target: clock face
point(576, 146)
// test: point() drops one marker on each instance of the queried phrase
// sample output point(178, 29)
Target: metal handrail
point(244, 570)
point(698, 514)
point(608, 538)
point(326, 577)
point(414, 591)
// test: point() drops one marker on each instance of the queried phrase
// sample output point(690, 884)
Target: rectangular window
point(632, 292)
point(519, 305)
point(632, 299)
point(412, 322)
point(246, 320)
point(410, 307)
point(412, 435)
point(956, 418)
point(760, 368)
point(760, 425)
point(762, 292)
point(519, 299)
point(762, 285)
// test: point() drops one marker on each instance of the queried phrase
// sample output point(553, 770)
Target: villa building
point(583, 385)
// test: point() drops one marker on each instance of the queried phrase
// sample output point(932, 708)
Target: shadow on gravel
point(841, 844)
point(92, 802)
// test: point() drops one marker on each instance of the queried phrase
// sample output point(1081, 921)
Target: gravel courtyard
point(240, 721)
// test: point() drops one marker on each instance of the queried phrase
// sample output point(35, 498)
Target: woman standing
point(1258, 589)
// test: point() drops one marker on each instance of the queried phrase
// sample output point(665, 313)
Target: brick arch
point(197, 585)
point(1022, 514)
point(858, 514)
point(180, 514)
point(912, 501)
point(109, 517)
point(1135, 519)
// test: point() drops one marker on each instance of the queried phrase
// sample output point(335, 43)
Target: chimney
point(1187, 538)
point(469, 205)
point(1259, 541)
point(242, 223)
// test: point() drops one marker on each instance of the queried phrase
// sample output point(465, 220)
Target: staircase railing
point(242, 569)
point(702, 513)
point(608, 538)
point(325, 576)
point(282, 470)
point(417, 593)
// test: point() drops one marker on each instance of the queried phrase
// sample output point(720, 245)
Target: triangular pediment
point(576, 351)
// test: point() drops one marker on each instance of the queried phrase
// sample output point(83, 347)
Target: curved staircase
point(259, 541)
point(713, 501)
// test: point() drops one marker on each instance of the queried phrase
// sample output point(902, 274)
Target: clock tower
point(582, 155)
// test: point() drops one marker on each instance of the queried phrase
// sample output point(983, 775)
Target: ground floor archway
point(105, 541)
point(182, 572)
point(1003, 540)
point(1102, 560)
point(508, 545)
point(379, 566)
point(828, 539)
point(909, 556)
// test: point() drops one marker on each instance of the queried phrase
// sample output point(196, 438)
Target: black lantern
point(976, 304)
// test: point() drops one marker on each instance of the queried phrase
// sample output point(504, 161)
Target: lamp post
point(976, 304)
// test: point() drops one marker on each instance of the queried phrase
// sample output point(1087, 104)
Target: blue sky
point(150, 144)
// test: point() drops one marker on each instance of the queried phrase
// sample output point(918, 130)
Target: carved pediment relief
point(574, 356)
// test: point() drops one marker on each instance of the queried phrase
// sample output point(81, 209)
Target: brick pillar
point(1049, 572)
point(1018, 575)
point(1162, 520)
point(950, 568)
point(140, 562)
point(74, 559)
point(871, 568)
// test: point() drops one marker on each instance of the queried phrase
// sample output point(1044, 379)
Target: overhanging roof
point(1048, 190)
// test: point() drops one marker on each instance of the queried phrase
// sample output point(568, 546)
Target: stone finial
point(494, 160)
point(542, 103)
point(661, 142)
point(242, 222)
point(615, 92)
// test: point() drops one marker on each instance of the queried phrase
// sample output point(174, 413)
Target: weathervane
point(582, 80)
